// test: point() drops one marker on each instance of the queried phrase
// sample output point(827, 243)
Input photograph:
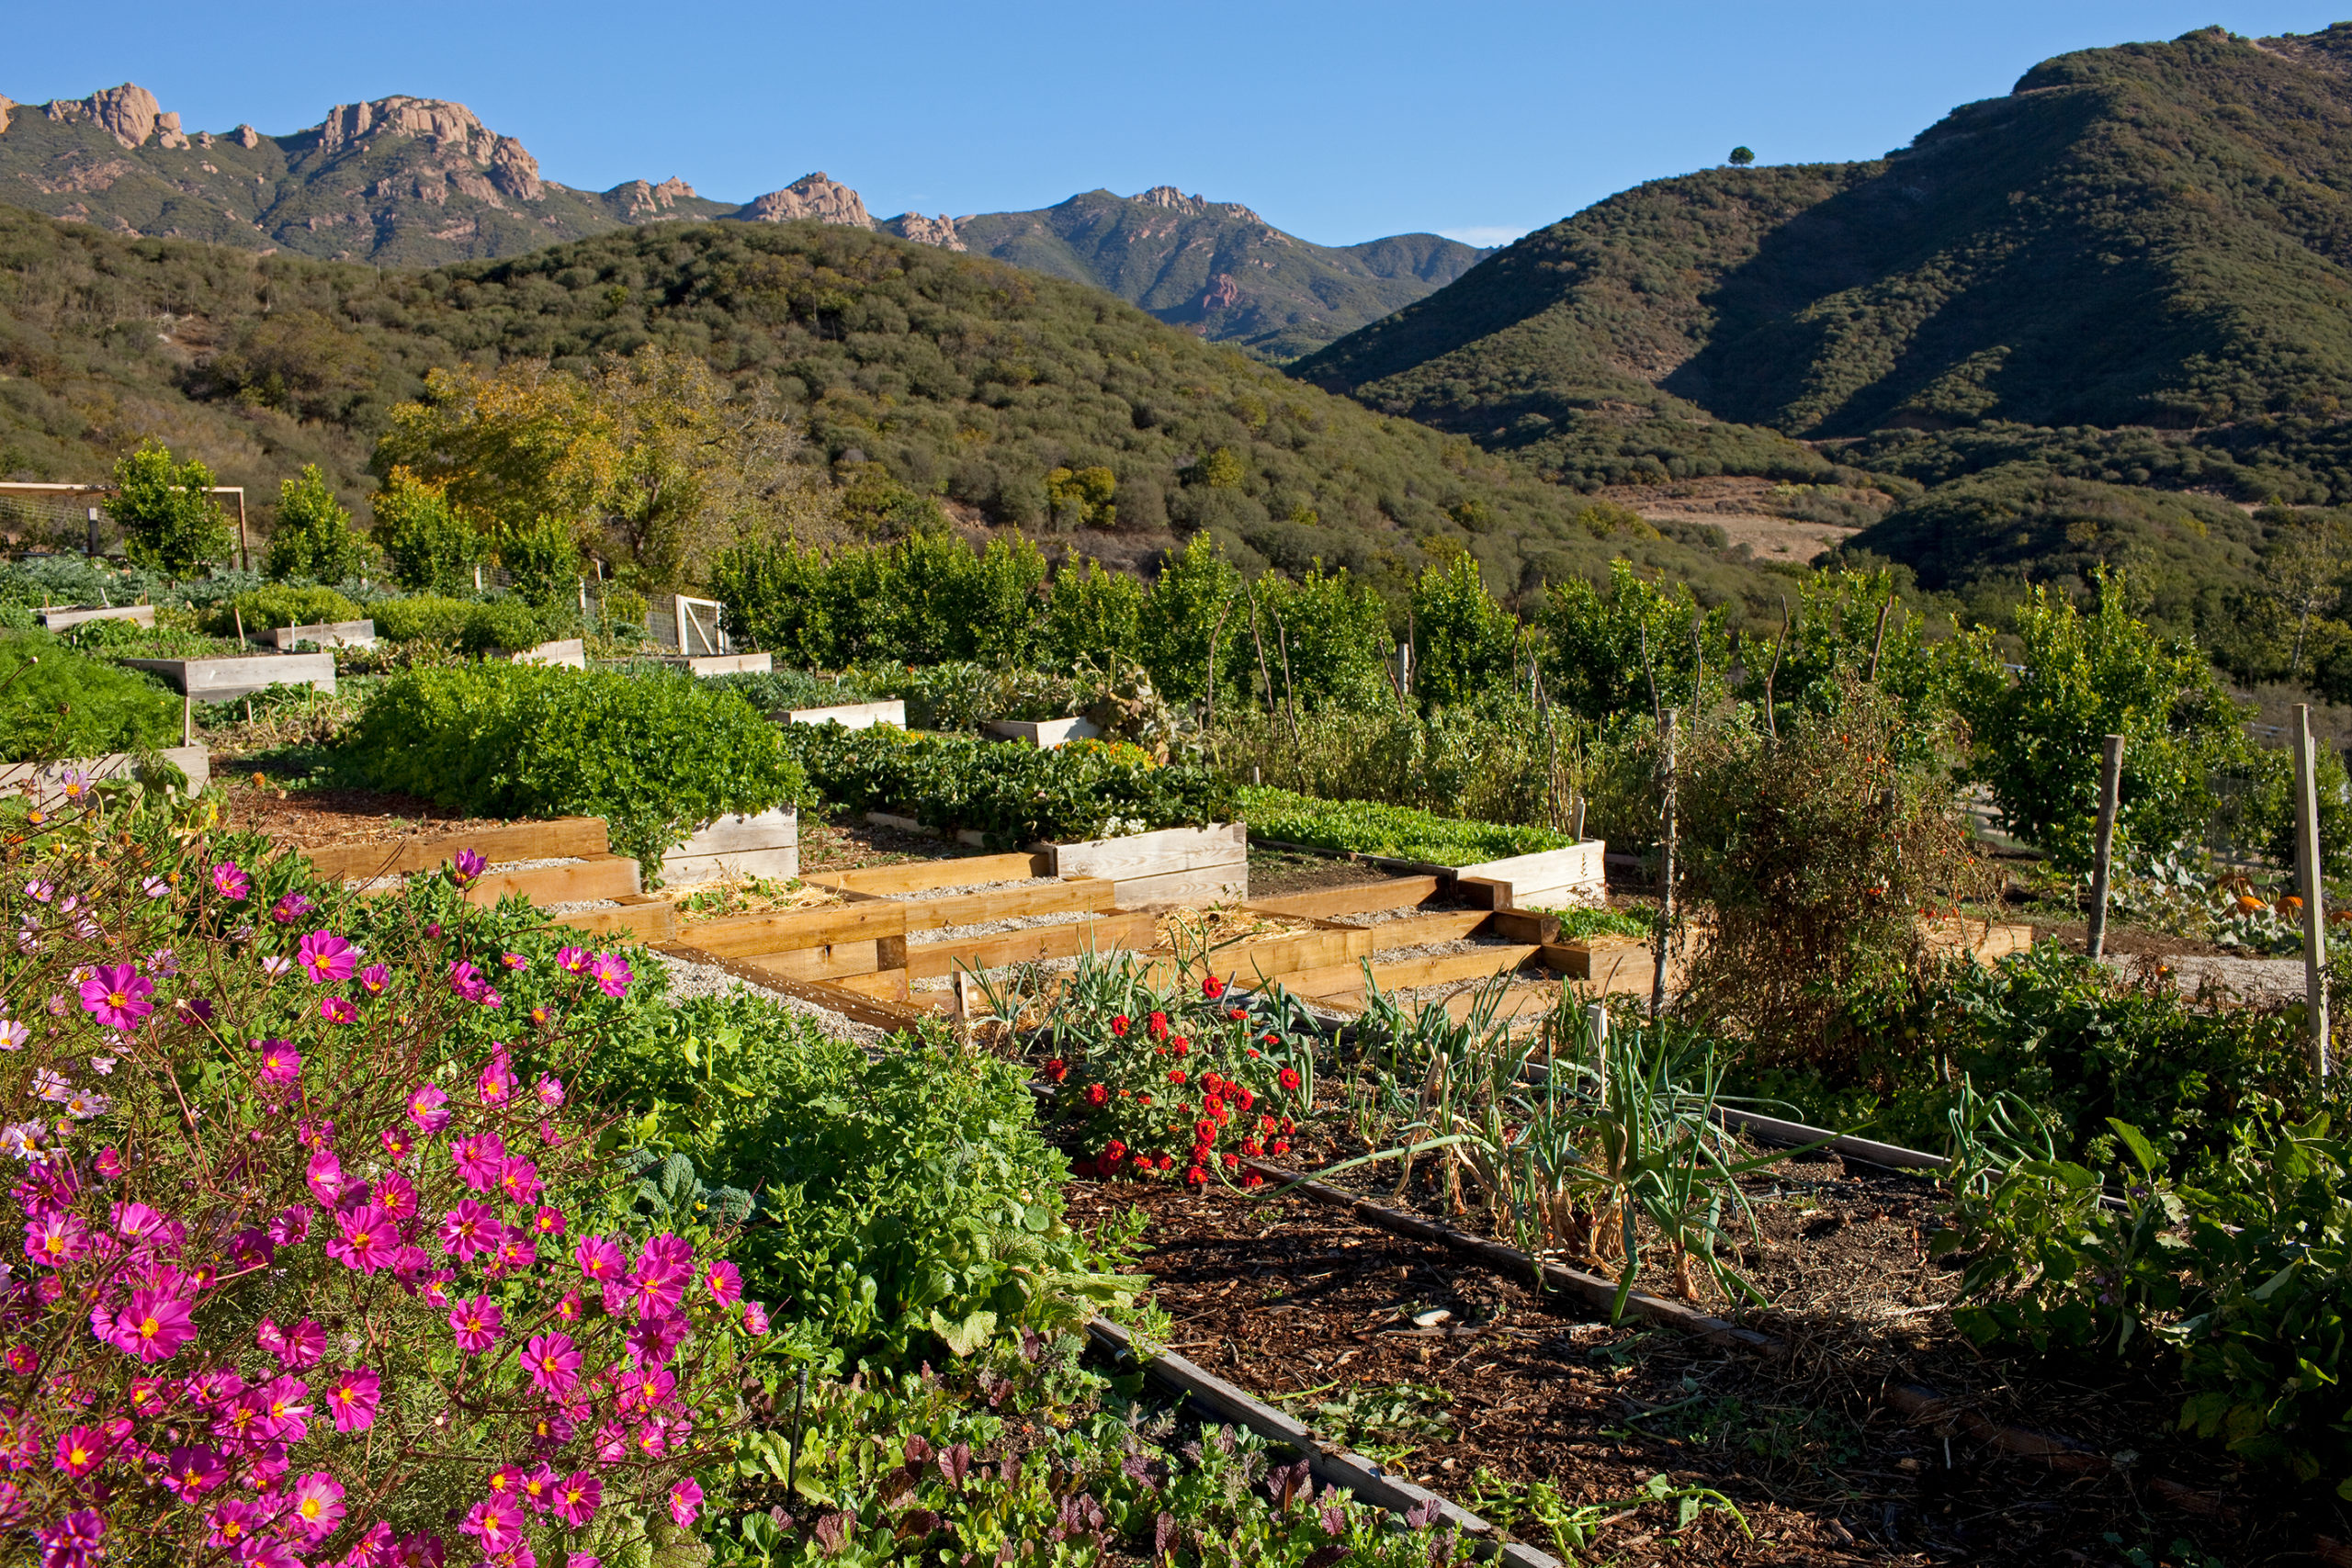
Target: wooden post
point(1596, 1018)
point(239, 615)
point(187, 720)
point(2110, 785)
point(2314, 888)
point(1665, 873)
point(245, 551)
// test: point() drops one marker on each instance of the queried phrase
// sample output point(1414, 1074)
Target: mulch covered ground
point(1313, 1309)
point(319, 817)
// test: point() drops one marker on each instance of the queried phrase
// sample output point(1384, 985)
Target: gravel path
point(997, 928)
point(689, 980)
point(919, 894)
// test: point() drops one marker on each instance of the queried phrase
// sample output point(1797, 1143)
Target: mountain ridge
point(414, 181)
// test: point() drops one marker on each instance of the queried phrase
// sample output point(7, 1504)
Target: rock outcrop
point(128, 113)
point(641, 200)
point(810, 196)
point(6, 104)
point(939, 231)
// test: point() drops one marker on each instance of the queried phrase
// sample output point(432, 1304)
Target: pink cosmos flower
point(514, 961)
point(277, 966)
point(599, 1259)
point(466, 867)
point(13, 1035)
point(325, 1178)
point(374, 978)
point(478, 1324)
point(291, 1228)
point(539, 1488)
point(551, 1090)
point(318, 1504)
point(80, 1450)
point(519, 1180)
point(517, 1252)
point(281, 1063)
point(755, 1319)
point(497, 1521)
point(56, 1239)
point(467, 981)
point(548, 1222)
point(480, 1159)
point(231, 883)
point(496, 1085)
point(192, 1471)
point(396, 1144)
point(572, 960)
point(552, 1363)
point(305, 1343)
point(22, 1359)
point(571, 1309)
point(353, 1396)
point(723, 1281)
point(577, 1500)
point(290, 909)
point(396, 1195)
point(325, 956)
point(470, 1229)
point(685, 1502)
point(285, 1401)
point(338, 1010)
point(426, 1108)
point(116, 994)
point(109, 1163)
point(77, 1540)
point(611, 973)
point(367, 1238)
point(153, 1326)
point(233, 1521)
point(583, 1560)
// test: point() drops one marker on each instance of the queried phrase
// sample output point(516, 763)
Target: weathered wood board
point(1046, 734)
point(235, 675)
point(592, 876)
point(1173, 865)
point(326, 634)
point(570, 652)
point(196, 761)
point(1361, 900)
point(563, 836)
point(915, 876)
point(58, 620)
point(1102, 934)
point(1553, 879)
point(767, 844)
point(854, 716)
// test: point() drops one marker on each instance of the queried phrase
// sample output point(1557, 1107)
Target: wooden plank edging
point(1334, 1467)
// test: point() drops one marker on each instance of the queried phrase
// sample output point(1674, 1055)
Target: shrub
point(68, 706)
point(1363, 827)
point(314, 537)
point(1013, 793)
point(292, 1213)
point(280, 605)
point(425, 617)
point(1464, 643)
point(655, 759)
point(431, 549)
point(1605, 649)
point(169, 520)
point(1497, 760)
point(503, 625)
point(2087, 675)
point(1818, 858)
point(907, 1197)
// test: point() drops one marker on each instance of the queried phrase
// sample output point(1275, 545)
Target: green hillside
point(2136, 267)
point(1215, 267)
point(954, 375)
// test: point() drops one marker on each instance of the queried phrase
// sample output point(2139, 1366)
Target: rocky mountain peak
point(128, 113)
point(642, 201)
point(452, 131)
point(810, 196)
point(940, 231)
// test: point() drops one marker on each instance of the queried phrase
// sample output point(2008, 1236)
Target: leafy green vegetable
point(1363, 827)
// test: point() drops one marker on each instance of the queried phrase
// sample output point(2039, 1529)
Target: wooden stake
point(240, 615)
point(1666, 873)
point(1596, 1018)
point(1878, 639)
point(187, 721)
point(2110, 786)
point(2313, 887)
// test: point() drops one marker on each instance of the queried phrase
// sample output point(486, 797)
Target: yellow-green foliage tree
point(169, 519)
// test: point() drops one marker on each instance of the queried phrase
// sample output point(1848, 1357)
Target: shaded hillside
point(1215, 267)
point(2154, 237)
point(954, 375)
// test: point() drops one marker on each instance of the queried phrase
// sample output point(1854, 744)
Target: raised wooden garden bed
point(1044, 733)
point(729, 664)
point(196, 761)
point(854, 716)
point(589, 872)
point(231, 676)
point(568, 653)
point(766, 844)
point(1173, 865)
point(1550, 879)
point(58, 620)
point(326, 634)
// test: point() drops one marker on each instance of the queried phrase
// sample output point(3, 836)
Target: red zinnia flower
point(1176, 1075)
point(1211, 988)
point(1289, 1077)
point(1119, 1025)
point(1197, 1177)
point(1157, 1025)
point(1057, 1069)
point(1096, 1094)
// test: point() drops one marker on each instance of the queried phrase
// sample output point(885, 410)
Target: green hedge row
point(1363, 827)
point(1012, 792)
point(654, 757)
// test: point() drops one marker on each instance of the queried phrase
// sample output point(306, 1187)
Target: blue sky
point(1339, 122)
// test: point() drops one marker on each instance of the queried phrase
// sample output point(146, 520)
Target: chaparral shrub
point(655, 759)
point(321, 1262)
point(280, 605)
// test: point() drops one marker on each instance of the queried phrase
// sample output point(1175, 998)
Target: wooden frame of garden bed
point(597, 873)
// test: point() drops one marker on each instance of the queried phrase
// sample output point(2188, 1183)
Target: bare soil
point(848, 846)
point(1309, 1307)
point(1274, 873)
point(317, 817)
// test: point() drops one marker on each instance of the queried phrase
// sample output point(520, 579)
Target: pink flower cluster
point(395, 1210)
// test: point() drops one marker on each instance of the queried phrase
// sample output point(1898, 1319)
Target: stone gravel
point(688, 980)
